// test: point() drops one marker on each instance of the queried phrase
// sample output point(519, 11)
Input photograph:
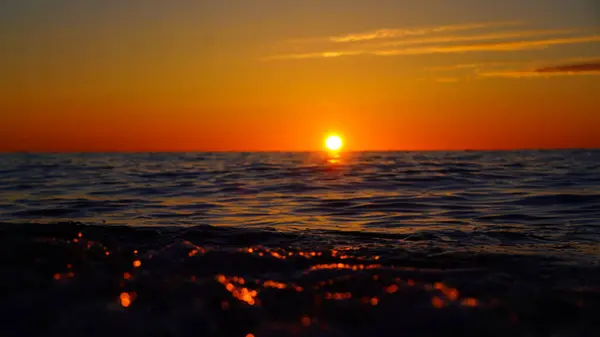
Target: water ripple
point(446, 197)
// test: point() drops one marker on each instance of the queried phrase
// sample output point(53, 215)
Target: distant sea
point(302, 244)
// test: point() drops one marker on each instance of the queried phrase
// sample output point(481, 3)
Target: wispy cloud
point(572, 68)
point(533, 74)
point(324, 54)
point(579, 69)
point(535, 64)
point(505, 46)
point(488, 47)
point(403, 32)
point(499, 37)
point(464, 66)
point(479, 37)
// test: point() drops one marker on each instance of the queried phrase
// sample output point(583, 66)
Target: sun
point(333, 143)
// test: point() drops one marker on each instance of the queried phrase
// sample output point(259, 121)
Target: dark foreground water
point(365, 244)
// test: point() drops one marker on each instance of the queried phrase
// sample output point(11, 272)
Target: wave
point(76, 279)
point(397, 192)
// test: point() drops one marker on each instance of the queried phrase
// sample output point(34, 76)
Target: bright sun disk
point(333, 143)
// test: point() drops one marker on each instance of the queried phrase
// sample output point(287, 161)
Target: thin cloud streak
point(402, 32)
point(571, 68)
point(483, 37)
point(534, 74)
point(325, 54)
point(463, 66)
point(489, 47)
point(537, 64)
point(452, 49)
point(580, 69)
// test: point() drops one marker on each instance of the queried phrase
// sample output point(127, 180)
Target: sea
point(462, 243)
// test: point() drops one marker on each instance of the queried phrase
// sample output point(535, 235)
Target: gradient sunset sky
point(279, 75)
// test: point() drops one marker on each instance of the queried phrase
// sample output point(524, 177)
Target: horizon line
point(305, 151)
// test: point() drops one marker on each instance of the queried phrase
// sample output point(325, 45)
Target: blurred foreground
point(69, 279)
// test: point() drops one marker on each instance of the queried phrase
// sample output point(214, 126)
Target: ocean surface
point(302, 244)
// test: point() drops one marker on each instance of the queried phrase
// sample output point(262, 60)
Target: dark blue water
point(544, 202)
point(301, 244)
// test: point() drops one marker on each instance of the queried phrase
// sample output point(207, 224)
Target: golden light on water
point(127, 298)
point(334, 143)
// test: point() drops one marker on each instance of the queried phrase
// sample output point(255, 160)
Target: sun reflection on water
point(334, 158)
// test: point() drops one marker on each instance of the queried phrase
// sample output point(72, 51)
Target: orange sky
point(269, 76)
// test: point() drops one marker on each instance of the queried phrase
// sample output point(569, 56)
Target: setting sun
point(333, 143)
